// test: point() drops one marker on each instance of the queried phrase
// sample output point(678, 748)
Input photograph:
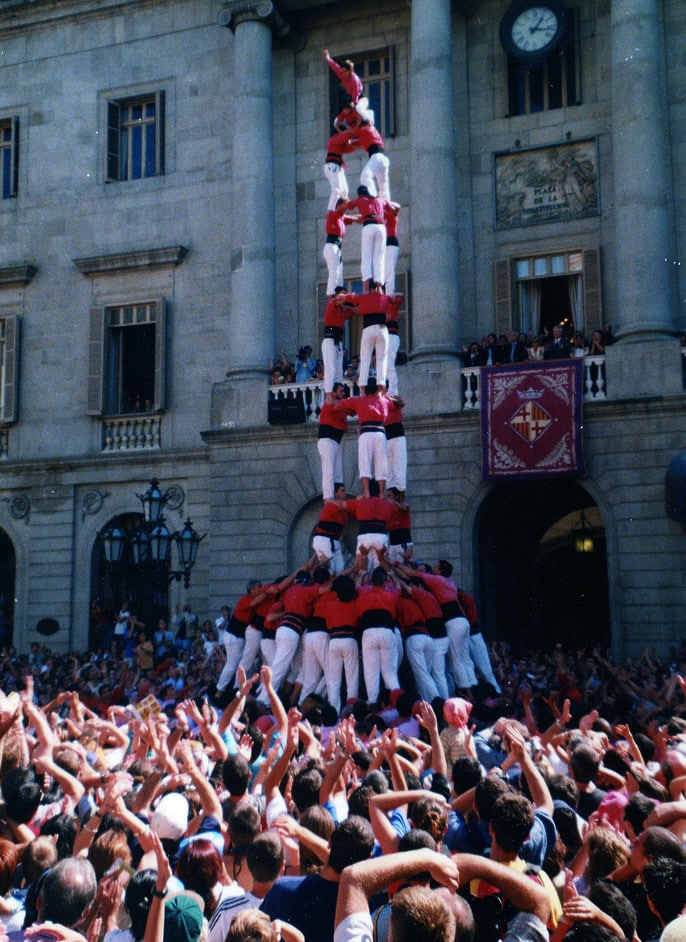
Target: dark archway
point(542, 565)
point(144, 588)
point(8, 571)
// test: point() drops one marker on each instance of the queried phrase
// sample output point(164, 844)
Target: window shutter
point(593, 314)
point(112, 170)
point(10, 376)
point(96, 353)
point(503, 297)
point(401, 287)
point(159, 135)
point(14, 173)
point(160, 351)
point(391, 130)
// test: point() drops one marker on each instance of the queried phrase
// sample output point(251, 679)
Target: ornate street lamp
point(151, 542)
point(113, 540)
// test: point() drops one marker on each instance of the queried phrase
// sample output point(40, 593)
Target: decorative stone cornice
point(236, 11)
point(123, 261)
point(11, 275)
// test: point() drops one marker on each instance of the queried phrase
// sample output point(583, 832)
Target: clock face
point(531, 29)
point(534, 29)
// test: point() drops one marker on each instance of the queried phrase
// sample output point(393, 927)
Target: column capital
point(238, 11)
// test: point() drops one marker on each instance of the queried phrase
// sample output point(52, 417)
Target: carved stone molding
point(233, 13)
point(123, 261)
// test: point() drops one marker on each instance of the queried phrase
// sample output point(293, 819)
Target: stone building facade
point(161, 228)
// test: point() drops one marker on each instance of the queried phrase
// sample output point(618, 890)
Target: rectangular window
point(9, 157)
point(9, 348)
point(535, 293)
point(376, 69)
point(554, 83)
point(135, 137)
point(126, 368)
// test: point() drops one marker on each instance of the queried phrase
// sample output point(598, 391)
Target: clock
point(531, 29)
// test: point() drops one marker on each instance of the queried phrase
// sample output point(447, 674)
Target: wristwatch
point(160, 894)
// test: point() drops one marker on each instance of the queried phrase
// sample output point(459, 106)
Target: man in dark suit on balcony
point(559, 347)
point(516, 351)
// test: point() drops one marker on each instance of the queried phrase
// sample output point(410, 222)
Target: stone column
point(435, 300)
point(251, 328)
point(644, 250)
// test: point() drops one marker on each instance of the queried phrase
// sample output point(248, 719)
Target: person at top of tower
point(346, 75)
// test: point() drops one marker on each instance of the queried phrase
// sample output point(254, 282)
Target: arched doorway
point(145, 588)
point(542, 565)
point(8, 568)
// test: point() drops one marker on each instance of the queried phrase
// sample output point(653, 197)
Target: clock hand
point(533, 29)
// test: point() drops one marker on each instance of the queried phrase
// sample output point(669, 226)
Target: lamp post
point(151, 542)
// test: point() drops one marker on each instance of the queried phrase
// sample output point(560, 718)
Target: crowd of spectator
point(138, 808)
point(561, 342)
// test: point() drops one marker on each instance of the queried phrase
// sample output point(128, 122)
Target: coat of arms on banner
point(531, 420)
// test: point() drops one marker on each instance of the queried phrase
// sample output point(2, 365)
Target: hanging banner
point(531, 420)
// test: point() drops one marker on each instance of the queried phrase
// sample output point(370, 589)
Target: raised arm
point(364, 879)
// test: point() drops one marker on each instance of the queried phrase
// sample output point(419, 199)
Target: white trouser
point(372, 456)
point(379, 660)
point(375, 174)
point(343, 655)
point(251, 650)
point(396, 452)
point(332, 357)
point(390, 262)
point(329, 553)
point(391, 372)
point(374, 338)
point(482, 662)
point(285, 648)
point(331, 457)
point(420, 652)
point(267, 650)
point(374, 543)
point(441, 648)
point(335, 174)
point(234, 651)
point(314, 653)
point(460, 660)
point(373, 251)
point(397, 552)
point(334, 264)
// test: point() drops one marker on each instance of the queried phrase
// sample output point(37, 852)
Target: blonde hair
point(250, 925)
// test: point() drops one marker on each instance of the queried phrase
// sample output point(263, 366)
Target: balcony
point(299, 403)
point(594, 383)
point(138, 432)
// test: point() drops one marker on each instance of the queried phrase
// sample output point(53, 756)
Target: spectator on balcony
point(516, 350)
point(491, 353)
point(305, 365)
point(504, 348)
point(352, 370)
point(579, 345)
point(559, 347)
point(597, 348)
point(536, 351)
point(471, 355)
